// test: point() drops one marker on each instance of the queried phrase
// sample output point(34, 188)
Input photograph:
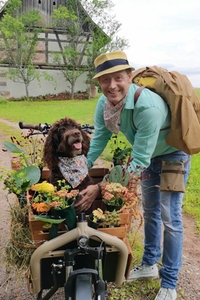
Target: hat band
point(111, 63)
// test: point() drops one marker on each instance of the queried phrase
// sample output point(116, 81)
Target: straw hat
point(111, 62)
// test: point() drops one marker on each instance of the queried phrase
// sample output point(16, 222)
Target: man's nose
point(112, 83)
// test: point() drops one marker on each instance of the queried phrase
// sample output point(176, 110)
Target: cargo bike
point(81, 260)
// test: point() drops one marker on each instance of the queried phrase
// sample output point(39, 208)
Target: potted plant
point(27, 170)
point(27, 150)
point(18, 182)
point(113, 195)
point(96, 218)
point(118, 188)
point(52, 203)
point(111, 219)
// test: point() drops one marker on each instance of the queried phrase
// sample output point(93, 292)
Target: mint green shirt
point(141, 125)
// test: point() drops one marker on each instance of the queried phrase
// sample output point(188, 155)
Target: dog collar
point(74, 169)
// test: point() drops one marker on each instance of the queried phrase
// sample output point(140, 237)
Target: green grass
point(198, 92)
point(48, 112)
point(191, 203)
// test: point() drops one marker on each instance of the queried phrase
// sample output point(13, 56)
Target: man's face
point(115, 85)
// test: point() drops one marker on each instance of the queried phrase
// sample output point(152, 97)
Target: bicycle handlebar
point(40, 127)
point(44, 128)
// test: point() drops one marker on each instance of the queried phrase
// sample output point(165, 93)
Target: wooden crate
point(97, 174)
point(122, 230)
point(40, 234)
point(38, 231)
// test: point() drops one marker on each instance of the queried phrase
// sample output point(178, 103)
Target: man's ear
point(130, 75)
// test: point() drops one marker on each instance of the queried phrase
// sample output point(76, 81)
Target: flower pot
point(93, 224)
point(16, 163)
point(68, 214)
point(113, 207)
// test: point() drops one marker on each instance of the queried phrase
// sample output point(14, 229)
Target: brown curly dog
point(65, 151)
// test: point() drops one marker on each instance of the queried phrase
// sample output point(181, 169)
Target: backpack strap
point(137, 94)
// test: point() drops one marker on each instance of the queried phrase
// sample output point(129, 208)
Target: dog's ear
point(86, 142)
point(50, 148)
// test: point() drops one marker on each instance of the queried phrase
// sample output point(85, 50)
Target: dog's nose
point(76, 132)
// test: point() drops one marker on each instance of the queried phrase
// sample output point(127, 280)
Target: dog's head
point(71, 143)
point(65, 138)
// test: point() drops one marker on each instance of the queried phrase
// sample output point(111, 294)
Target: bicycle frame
point(56, 249)
point(49, 249)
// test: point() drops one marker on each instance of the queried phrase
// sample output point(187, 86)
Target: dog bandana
point(74, 169)
point(112, 115)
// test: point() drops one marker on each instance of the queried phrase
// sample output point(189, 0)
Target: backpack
point(177, 91)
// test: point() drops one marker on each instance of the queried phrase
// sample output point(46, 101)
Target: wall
point(10, 89)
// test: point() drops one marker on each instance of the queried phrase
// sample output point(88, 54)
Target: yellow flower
point(97, 215)
point(43, 187)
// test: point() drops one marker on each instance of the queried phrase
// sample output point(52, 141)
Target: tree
point(71, 55)
point(99, 12)
point(20, 36)
point(85, 38)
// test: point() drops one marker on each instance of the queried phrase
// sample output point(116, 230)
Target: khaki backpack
point(177, 91)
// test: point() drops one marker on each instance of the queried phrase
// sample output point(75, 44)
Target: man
point(145, 125)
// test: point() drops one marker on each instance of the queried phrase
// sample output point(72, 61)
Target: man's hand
point(87, 197)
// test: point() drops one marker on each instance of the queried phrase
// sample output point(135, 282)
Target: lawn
point(48, 111)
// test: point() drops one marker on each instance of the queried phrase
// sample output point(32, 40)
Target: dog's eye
point(61, 130)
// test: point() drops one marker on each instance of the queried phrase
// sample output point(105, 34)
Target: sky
point(163, 33)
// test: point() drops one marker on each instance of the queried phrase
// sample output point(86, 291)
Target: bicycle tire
point(83, 290)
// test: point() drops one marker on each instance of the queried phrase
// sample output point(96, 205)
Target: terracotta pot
point(15, 163)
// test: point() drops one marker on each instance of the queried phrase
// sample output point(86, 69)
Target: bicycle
point(79, 260)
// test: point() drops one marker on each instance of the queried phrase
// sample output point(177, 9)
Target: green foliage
point(12, 147)
point(118, 174)
point(71, 55)
point(120, 149)
point(137, 290)
point(28, 149)
point(18, 182)
point(12, 6)
point(63, 18)
point(20, 35)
